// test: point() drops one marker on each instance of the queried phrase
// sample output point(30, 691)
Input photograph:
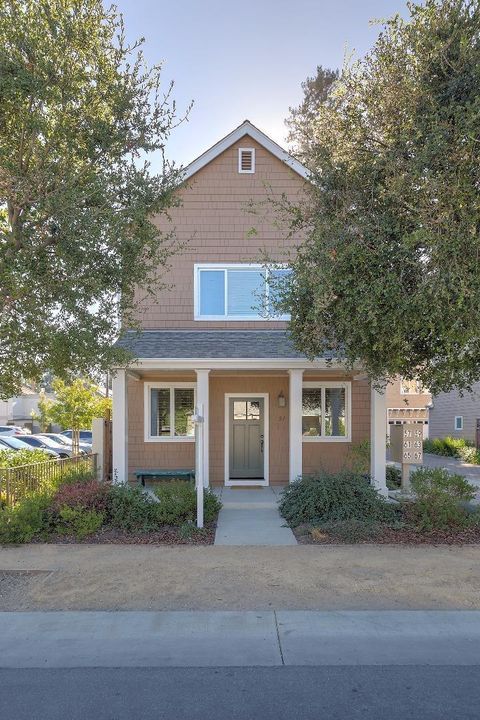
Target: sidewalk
point(250, 516)
point(234, 639)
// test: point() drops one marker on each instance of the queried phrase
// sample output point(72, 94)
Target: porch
point(251, 427)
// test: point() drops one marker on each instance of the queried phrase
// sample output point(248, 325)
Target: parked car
point(62, 440)
point(85, 435)
point(13, 430)
point(8, 442)
point(43, 443)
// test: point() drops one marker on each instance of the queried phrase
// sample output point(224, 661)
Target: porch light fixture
point(281, 399)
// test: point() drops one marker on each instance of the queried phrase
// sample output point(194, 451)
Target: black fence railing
point(18, 481)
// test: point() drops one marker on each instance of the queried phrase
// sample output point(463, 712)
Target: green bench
point(181, 474)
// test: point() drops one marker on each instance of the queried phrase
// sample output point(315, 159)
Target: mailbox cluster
point(406, 443)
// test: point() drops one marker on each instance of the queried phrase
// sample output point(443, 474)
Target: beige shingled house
point(217, 386)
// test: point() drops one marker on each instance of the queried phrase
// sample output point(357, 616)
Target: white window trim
point(458, 417)
point(242, 150)
point(198, 267)
point(148, 386)
point(348, 411)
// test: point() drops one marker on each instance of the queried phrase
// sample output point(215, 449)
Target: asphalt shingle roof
point(215, 344)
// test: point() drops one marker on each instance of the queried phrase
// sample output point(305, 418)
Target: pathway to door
point(250, 516)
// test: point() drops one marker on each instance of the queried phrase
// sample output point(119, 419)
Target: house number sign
point(406, 443)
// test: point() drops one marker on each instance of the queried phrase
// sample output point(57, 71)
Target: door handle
point(261, 443)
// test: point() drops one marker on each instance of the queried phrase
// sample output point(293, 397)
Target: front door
point(247, 439)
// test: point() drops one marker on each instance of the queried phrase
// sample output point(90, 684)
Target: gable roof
point(246, 128)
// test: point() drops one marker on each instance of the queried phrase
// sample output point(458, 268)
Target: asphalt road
point(281, 693)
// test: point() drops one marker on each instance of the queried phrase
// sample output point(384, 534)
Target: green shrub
point(178, 503)
point(130, 509)
point(469, 454)
point(358, 458)
point(447, 446)
point(331, 497)
point(30, 518)
point(86, 495)
point(439, 495)
point(394, 477)
point(78, 521)
point(14, 458)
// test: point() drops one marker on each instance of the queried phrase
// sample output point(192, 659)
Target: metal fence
point(18, 481)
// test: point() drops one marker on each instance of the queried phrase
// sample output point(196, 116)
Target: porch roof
point(213, 344)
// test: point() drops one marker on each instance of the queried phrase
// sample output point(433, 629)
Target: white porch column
point(202, 400)
point(119, 427)
point(295, 423)
point(378, 439)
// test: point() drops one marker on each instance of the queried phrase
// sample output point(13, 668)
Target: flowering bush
point(91, 495)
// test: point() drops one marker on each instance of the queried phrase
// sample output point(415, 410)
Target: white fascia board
point(246, 128)
point(235, 363)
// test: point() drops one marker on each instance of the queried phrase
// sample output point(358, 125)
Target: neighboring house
point(408, 401)
point(18, 410)
point(205, 352)
point(456, 416)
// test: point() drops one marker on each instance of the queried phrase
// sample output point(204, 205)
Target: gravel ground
point(328, 577)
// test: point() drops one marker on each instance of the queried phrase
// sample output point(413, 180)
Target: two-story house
point(206, 353)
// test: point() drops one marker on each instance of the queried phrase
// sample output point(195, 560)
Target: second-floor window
point(238, 292)
point(411, 387)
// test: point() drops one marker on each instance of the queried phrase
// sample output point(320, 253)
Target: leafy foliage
point(80, 114)
point(90, 495)
point(315, 92)
point(331, 497)
point(78, 521)
point(28, 519)
point(439, 495)
point(44, 417)
point(453, 447)
point(178, 503)
point(131, 509)
point(15, 458)
point(388, 273)
point(394, 477)
point(76, 406)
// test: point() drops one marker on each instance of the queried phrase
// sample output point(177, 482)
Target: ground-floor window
point(326, 410)
point(169, 410)
point(459, 422)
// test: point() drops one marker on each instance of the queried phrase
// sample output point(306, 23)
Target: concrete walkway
point(237, 639)
point(250, 516)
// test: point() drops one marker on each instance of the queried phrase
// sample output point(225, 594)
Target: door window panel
point(239, 410)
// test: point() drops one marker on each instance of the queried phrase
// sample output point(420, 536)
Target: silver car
point(7, 442)
point(62, 440)
point(44, 443)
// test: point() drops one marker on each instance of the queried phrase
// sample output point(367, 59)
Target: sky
point(246, 60)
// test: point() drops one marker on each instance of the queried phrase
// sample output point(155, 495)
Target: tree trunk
point(76, 442)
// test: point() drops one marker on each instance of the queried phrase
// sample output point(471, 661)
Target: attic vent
point(246, 160)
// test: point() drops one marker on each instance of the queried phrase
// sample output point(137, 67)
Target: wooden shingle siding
point(448, 405)
point(215, 226)
point(316, 455)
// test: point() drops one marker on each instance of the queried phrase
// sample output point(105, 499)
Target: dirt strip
point(126, 577)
